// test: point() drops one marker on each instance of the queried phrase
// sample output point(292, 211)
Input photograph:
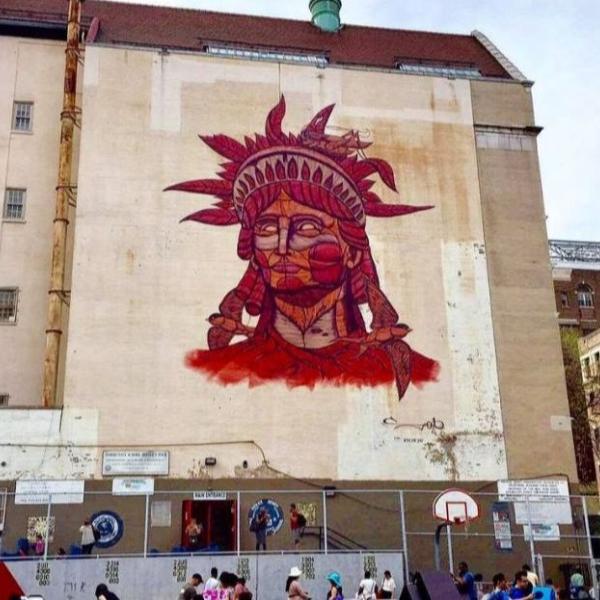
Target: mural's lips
point(286, 267)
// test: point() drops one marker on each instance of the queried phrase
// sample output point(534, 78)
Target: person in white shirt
point(212, 583)
point(368, 586)
point(87, 537)
point(531, 576)
point(388, 585)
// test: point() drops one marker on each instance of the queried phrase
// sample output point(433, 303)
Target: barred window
point(22, 116)
point(4, 398)
point(8, 305)
point(14, 204)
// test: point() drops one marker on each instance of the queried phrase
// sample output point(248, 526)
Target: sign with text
point(210, 495)
point(44, 491)
point(134, 462)
point(538, 501)
point(131, 486)
point(502, 530)
point(542, 533)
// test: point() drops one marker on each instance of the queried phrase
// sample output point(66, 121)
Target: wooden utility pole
point(57, 295)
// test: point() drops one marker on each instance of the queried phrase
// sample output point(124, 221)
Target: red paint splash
point(267, 357)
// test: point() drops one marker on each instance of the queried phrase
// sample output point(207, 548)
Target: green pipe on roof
point(326, 14)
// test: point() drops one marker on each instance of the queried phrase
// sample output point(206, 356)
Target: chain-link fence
point(553, 534)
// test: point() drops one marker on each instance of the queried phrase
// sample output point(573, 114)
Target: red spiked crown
point(313, 167)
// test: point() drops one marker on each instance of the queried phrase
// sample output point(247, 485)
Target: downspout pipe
point(64, 191)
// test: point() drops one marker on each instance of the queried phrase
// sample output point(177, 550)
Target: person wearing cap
point(190, 589)
point(292, 585)
point(335, 590)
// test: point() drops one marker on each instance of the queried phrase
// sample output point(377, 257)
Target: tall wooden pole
point(61, 216)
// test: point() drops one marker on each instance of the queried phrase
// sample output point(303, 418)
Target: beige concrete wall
point(32, 70)
point(532, 385)
point(143, 285)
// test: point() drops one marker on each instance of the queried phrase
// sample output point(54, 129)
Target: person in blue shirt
point(500, 588)
point(522, 587)
point(465, 582)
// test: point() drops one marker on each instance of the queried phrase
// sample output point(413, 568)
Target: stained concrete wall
point(144, 285)
point(531, 377)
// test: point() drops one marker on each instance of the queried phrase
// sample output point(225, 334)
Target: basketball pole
point(449, 540)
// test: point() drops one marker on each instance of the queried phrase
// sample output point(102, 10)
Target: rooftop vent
point(326, 14)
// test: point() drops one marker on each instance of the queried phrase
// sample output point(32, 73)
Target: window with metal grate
point(14, 204)
point(22, 116)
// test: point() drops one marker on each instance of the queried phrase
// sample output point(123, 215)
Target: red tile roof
point(177, 28)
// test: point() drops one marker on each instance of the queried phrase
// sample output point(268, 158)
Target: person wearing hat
point(292, 585)
point(335, 591)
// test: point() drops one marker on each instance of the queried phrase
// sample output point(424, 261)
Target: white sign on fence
point(542, 533)
point(548, 500)
point(130, 486)
point(132, 462)
point(40, 491)
point(210, 495)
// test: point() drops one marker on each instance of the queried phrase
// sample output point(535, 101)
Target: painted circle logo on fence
point(110, 526)
point(274, 515)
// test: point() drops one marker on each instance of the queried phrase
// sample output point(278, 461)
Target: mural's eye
point(308, 228)
point(266, 228)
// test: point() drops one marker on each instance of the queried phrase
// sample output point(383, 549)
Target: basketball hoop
point(452, 507)
point(456, 507)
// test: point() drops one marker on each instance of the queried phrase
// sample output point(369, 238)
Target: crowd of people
point(524, 586)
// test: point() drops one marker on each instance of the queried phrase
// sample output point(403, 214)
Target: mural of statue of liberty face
point(302, 202)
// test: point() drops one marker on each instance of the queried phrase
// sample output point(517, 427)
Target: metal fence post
point(449, 540)
point(589, 543)
point(47, 532)
point(146, 525)
point(325, 521)
point(238, 521)
point(531, 544)
point(404, 535)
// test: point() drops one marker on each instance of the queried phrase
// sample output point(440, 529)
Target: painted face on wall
point(298, 247)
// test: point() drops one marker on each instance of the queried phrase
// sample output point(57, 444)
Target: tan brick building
point(449, 114)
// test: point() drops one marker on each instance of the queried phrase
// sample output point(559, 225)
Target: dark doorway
point(218, 519)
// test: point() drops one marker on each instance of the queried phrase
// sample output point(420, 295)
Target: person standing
point(297, 524)
point(531, 576)
point(261, 529)
point(522, 588)
point(103, 593)
point(39, 546)
point(369, 587)
point(241, 592)
point(465, 582)
point(388, 585)
point(88, 539)
point(500, 588)
point(193, 531)
point(191, 587)
point(335, 586)
point(292, 585)
point(212, 583)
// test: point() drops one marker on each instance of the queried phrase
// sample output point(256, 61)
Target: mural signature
point(432, 425)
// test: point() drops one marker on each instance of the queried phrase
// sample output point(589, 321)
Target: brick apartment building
point(576, 276)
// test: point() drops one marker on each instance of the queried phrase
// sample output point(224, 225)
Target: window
point(14, 204)
point(439, 70)
point(8, 305)
point(564, 299)
point(585, 367)
point(585, 296)
point(4, 399)
point(22, 116)
point(264, 54)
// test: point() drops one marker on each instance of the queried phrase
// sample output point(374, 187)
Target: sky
point(553, 42)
